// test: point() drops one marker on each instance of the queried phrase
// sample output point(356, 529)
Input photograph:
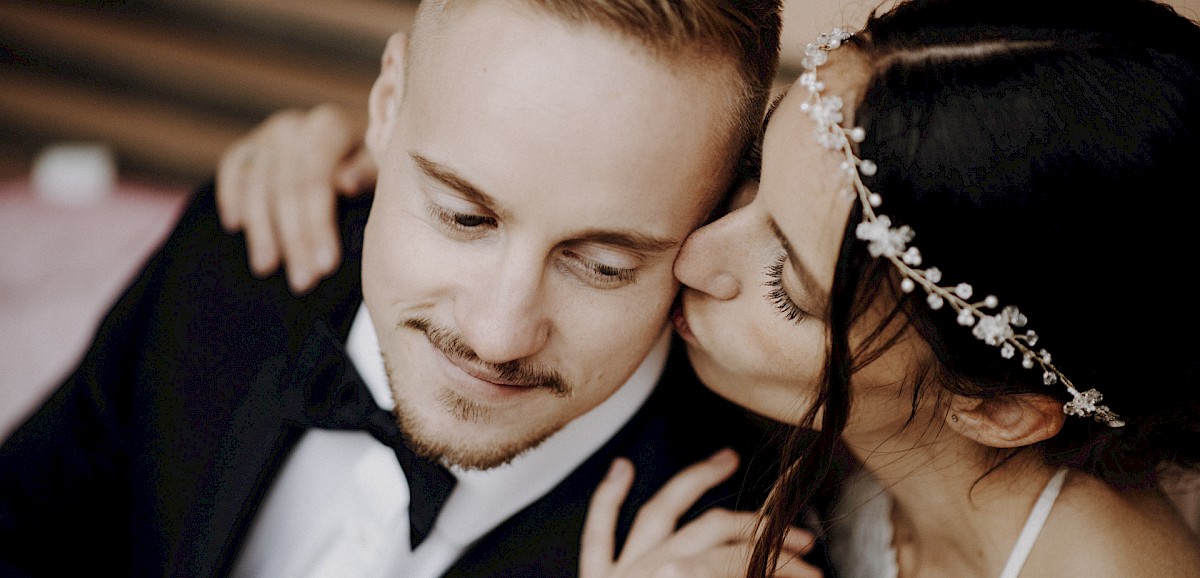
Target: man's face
point(533, 193)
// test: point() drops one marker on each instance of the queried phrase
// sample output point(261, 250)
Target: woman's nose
point(703, 262)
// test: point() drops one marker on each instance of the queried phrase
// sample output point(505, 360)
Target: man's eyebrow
point(449, 178)
point(631, 240)
point(803, 273)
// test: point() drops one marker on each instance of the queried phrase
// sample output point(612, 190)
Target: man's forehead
point(576, 118)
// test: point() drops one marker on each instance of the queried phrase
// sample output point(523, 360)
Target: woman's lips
point(679, 320)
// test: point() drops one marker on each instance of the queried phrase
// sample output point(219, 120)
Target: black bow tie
point(324, 391)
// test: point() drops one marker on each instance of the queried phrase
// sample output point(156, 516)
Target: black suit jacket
point(153, 457)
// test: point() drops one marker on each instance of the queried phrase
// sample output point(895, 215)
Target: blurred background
point(169, 84)
point(148, 94)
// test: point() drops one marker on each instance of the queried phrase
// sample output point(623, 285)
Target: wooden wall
point(170, 83)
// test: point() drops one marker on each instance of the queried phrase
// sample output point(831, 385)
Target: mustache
point(515, 371)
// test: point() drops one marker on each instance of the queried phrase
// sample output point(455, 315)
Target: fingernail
point(325, 258)
point(295, 275)
point(258, 267)
point(619, 468)
point(725, 456)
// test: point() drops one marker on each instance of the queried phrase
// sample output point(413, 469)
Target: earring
point(954, 417)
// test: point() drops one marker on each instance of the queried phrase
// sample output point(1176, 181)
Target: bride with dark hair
point(964, 265)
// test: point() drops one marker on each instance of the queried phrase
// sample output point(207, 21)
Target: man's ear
point(383, 107)
point(1008, 421)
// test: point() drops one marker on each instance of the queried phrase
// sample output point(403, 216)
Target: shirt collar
point(484, 498)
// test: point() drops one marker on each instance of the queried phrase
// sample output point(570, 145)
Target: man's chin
point(467, 440)
point(474, 455)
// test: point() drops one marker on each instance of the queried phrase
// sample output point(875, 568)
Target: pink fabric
point(61, 268)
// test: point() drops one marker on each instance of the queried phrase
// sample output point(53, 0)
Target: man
point(540, 164)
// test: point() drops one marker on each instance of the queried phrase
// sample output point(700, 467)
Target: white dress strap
point(1033, 525)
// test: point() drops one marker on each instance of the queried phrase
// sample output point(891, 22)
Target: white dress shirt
point(339, 506)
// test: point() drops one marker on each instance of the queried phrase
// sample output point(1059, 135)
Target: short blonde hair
point(744, 33)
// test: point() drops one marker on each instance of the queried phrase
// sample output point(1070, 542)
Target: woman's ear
point(383, 106)
point(1008, 421)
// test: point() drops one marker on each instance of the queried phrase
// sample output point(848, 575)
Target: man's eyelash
point(606, 275)
point(777, 296)
point(609, 272)
point(455, 220)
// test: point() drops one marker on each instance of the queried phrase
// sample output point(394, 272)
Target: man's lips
point(480, 373)
point(484, 375)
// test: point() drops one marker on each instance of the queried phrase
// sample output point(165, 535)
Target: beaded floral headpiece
point(1003, 329)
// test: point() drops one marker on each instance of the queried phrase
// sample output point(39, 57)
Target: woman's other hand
point(716, 544)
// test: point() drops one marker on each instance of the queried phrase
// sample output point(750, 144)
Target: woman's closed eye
point(777, 295)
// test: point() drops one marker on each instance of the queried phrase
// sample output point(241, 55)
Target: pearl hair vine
point(1003, 329)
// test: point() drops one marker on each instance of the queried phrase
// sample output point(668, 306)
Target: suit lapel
point(257, 438)
point(247, 458)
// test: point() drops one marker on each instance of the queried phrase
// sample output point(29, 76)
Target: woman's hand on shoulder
point(279, 185)
point(716, 544)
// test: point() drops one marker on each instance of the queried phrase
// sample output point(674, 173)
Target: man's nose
point(505, 316)
point(705, 261)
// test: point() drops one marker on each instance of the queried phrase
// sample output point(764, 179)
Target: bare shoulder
point(1094, 530)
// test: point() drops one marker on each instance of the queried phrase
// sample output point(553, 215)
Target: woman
point(1011, 388)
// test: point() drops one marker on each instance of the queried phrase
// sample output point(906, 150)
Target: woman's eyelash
point(776, 294)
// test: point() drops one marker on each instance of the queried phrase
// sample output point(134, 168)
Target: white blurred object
point(74, 173)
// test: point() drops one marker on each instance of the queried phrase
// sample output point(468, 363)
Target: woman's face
point(757, 281)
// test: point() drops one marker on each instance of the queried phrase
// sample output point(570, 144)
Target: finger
point(598, 544)
point(289, 186)
point(305, 201)
point(791, 564)
point(797, 568)
point(256, 218)
point(716, 562)
point(713, 528)
point(356, 174)
point(318, 241)
point(230, 176)
point(721, 526)
point(659, 516)
point(799, 540)
point(729, 559)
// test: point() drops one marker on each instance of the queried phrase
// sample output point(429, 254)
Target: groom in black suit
point(502, 311)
